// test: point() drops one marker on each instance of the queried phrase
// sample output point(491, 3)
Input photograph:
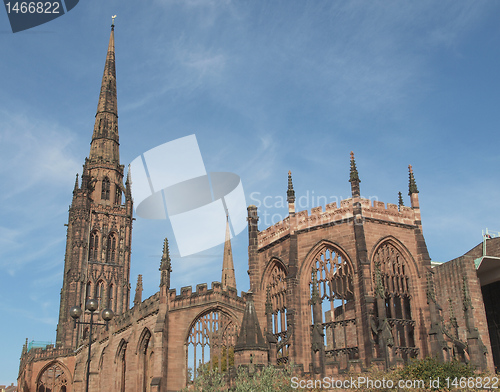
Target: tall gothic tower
point(97, 260)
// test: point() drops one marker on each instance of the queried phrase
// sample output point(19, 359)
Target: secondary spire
point(228, 277)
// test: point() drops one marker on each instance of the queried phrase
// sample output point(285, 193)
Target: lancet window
point(94, 246)
point(395, 280)
point(332, 292)
point(99, 295)
point(122, 366)
point(211, 343)
point(145, 362)
point(111, 250)
point(276, 311)
point(111, 297)
point(53, 379)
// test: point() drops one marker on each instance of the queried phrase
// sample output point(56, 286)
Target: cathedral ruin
point(340, 288)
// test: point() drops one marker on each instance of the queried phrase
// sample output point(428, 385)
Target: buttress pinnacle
point(412, 187)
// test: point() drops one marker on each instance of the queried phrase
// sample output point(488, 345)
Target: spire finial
point(412, 187)
point(354, 171)
point(290, 193)
point(113, 22)
point(354, 178)
point(165, 265)
point(400, 201)
point(76, 182)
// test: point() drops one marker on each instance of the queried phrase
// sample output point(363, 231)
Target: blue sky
point(266, 87)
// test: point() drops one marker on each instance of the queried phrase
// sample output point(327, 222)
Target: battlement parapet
point(148, 306)
point(41, 353)
point(333, 213)
point(202, 295)
point(274, 232)
point(391, 212)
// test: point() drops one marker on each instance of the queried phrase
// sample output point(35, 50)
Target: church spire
point(104, 145)
point(228, 278)
point(138, 291)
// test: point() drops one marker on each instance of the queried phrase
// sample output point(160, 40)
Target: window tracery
point(276, 311)
point(211, 342)
point(53, 379)
point(332, 277)
point(395, 280)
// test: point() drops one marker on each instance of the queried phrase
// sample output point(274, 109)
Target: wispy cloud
point(34, 152)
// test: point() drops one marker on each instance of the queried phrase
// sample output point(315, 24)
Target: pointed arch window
point(99, 295)
point(145, 351)
point(332, 293)
point(276, 311)
point(94, 246)
point(122, 365)
point(53, 378)
point(111, 251)
point(393, 284)
point(89, 290)
point(111, 297)
point(211, 342)
point(106, 186)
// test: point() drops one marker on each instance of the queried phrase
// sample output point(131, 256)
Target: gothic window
point(118, 195)
point(85, 335)
point(145, 351)
point(122, 365)
point(105, 189)
point(211, 342)
point(111, 250)
point(99, 295)
point(276, 311)
point(53, 379)
point(395, 280)
point(94, 246)
point(111, 297)
point(89, 290)
point(332, 293)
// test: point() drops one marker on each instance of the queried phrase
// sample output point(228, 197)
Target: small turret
point(251, 347)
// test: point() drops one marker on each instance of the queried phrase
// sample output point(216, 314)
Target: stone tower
point(97, 259)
